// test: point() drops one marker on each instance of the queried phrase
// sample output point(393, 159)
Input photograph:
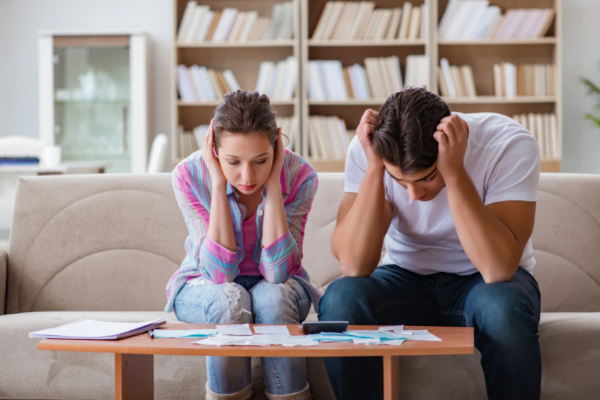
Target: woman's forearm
point(275, 223)
point(220, 226)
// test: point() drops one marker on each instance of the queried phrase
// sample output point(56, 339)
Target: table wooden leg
point(134, 376)
point(391, 372)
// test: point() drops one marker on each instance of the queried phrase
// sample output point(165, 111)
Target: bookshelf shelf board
point(220, 45)
point(365, 43)
point(217, 102)
point(498, 42)
point(358, 102)
point(499, 100)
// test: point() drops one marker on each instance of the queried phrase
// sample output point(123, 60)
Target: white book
point(457, 80)
point(286, 30)
point(405, 20)
point(342, 21)
point(98, 330)
point(236, 28)
point(289, 87)
point(509, 24)
point(206, 84)
point(385, 75)
point(531, 19)
point(510, 80)
point(272, 80)
point(323, 19)
point(531, 125)
point(519, 17)
point(541, 135)
point(469, 80)
point(324, 140)
point(198, 15)
point(275, 23)
point(384, 23)
point(224, 25)
point(548, 15)
point(362, 74)
point(415, 23)
point(200, 134)
point(336, 140)
point(187, 92)
point(279, 80)
point(231, 81)
point(199, 82)
point(488, 17)
point(392, 31)
point(373, 23)
point(186, 21)
point(449, 12)
point(354, 83)
point(494, 26)
point(374, 78)
point(557, 143)
point(251, 17)
point(364, 11)
point(214, 81)
point(448, 77)
point(264, 72)
point(343, 132)
point(316, 90)
point(366, 22)
point(498, 81)
point(314, 144)
point(424, 21)
point(335, 80)
point(333, 19)
point(479, 9)
point(548, 150)
point(460, 19)
point(394, 63)
point(204, 26)
point(540, 79)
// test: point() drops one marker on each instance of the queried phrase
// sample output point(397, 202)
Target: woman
point(245, 200)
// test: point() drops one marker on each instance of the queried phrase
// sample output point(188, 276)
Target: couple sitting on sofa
point(452, 196)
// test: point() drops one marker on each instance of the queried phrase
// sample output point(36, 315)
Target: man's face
point(422, 186)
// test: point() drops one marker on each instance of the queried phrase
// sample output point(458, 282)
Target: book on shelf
point(512, 80)
point(328, 138)
point(477, 19)
point(329, 80)
point(200, 24)
point(278, 80)
point(199, 83)
point(350, 20)
point(544, 128)
point(289, 127)
point(417, 70)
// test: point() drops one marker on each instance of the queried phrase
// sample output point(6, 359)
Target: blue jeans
point(246, 299)
point(505, 317)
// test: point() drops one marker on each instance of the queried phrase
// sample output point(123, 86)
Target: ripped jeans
point(249, 299)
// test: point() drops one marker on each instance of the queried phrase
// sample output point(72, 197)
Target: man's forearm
point(488, 243)
point(358, 238)
point(220, 225)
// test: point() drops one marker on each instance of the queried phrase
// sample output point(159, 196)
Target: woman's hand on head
point(278, 160)
point(365, 131)
point(210, 159)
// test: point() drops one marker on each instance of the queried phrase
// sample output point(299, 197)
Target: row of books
point(512, 80)
point(200, 24)
point(381, 76)
point(328, 138)
point(350, 20)
point(456, 81)
point(191, 141)
point(476, 19)
point(204, 84)
point(543, 127)
point(275, 79)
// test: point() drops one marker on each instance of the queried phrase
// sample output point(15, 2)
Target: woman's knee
point(282, 303)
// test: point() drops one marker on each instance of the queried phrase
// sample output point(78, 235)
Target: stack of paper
point(97, 330)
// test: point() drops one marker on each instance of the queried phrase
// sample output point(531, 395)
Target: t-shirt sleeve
point(516, 174)
point(356, 166)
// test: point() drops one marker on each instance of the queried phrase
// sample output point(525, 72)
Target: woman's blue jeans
point(505, 317)
point(249, 299)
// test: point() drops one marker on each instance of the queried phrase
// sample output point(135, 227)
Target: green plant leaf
point(594, 119)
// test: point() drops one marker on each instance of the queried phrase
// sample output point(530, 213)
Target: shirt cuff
point(279, 250)
point(220, 255)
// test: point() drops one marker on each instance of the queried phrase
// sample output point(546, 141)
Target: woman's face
point(246, 160)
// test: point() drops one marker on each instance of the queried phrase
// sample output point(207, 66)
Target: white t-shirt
point(502, 159)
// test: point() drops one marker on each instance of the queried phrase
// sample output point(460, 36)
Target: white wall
point(20, 21)
point(581, 57)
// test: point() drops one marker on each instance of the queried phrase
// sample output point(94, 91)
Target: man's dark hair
point(405, 126)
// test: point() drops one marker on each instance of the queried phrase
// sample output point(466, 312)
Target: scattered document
point(394, 328)
point(191, 333)
point(234, 330)
point(281, 330)
point(423, 335)
point(87, 329)
point(258, 340)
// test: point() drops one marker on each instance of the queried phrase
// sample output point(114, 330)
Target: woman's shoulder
point(192, 165)
point(298, 166)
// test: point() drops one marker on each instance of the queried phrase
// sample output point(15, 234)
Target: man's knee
point(344, 299)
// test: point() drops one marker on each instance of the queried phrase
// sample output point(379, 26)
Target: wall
point(20, 20)
point(581, 57)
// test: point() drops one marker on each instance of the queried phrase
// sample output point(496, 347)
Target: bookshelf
point(243, 59)
point(480, 54)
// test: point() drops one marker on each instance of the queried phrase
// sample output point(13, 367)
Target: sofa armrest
point(3, 278)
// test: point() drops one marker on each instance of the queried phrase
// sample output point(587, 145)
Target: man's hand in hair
point(452, 134)
point(364, 131)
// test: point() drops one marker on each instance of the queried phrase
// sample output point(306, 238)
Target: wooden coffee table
point(134, 361)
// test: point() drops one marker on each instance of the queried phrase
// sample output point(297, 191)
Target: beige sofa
point(104, 247)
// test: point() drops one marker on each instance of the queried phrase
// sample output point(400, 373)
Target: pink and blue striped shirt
point(206, 258)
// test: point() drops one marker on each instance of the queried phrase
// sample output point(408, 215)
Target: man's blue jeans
point(505, 317)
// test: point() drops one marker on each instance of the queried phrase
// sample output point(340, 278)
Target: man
point(453, 198)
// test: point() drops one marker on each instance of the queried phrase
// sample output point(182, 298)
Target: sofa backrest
point(111, 242)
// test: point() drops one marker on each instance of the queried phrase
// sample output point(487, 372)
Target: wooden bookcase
point(244, 60)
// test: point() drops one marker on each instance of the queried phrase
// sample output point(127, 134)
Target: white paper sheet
point(280, 330)
point(423, 335)
point(234, 330)
point(394, 328)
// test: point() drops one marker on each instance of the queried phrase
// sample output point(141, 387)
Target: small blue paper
point(192, 333)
